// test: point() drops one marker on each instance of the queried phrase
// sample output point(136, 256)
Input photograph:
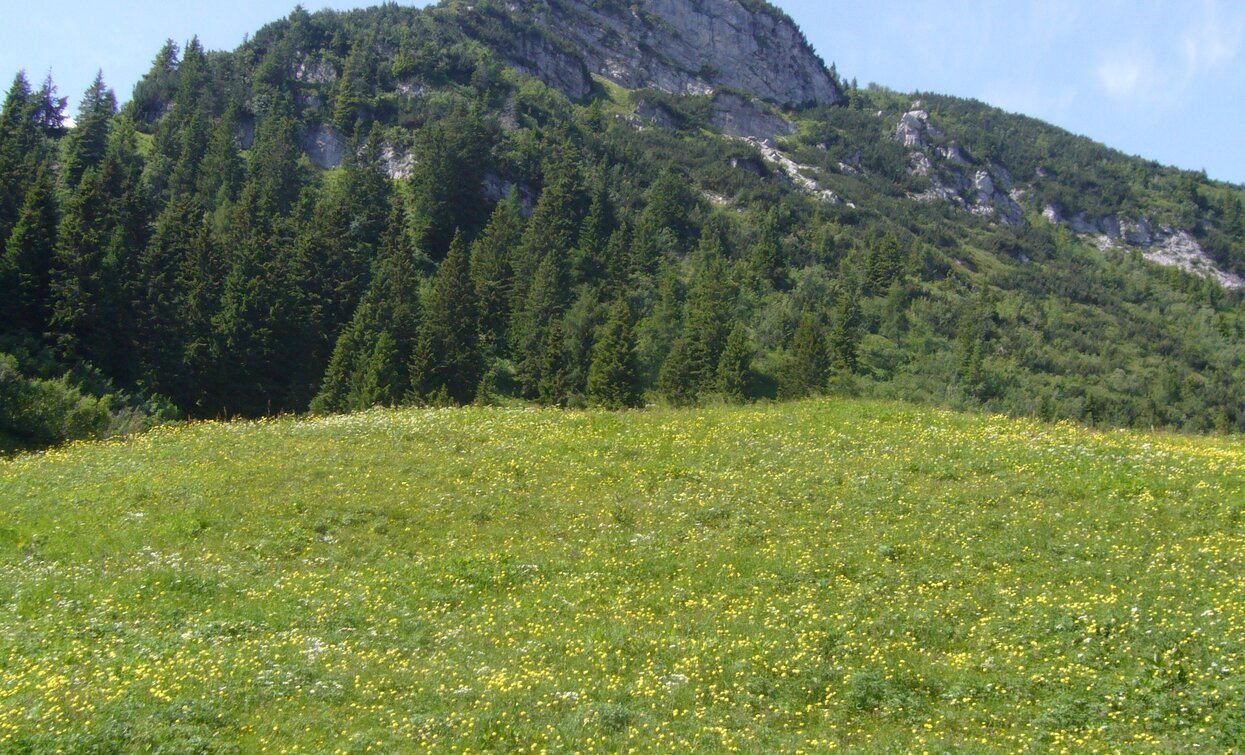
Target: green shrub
point(46, 412)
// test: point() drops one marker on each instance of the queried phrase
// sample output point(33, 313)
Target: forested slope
point(395, 205)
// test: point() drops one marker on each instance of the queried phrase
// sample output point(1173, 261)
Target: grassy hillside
point(790, 577)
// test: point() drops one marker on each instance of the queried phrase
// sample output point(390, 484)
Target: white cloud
point(1217, 38)
point(1158, 70)
point(1128, 73)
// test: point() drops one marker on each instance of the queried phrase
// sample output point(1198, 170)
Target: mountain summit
point(684, 47)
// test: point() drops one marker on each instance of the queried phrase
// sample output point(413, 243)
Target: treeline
point(182, 256)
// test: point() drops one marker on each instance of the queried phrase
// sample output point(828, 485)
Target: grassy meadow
point(796, 577)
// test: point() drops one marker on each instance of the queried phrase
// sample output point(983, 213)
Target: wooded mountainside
point(393, 205)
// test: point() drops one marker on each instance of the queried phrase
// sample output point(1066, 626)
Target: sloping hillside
point(778, 578)
point(266, 230)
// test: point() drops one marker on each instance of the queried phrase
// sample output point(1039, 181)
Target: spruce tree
point(810, 361)
point(553, 387)
point(735, 365)
point(19, 140)
point(446, 183)
point(884, 264)
point(95, 277)
point(25, 267)
point(491, 271)
point(532, 332)
point(372, 356)
point(356, 87)
point(88, 141)
point(845, 332)
point(163, 330)
point(677, 381)
point(765, 256)
point(657, 333)
point(447, 357)
point(48, 109)
point(263, 326)
point(669, 203)
point(554, 224)
point(580, 324)
point(710, 312)
point(614, 378)
point(221, 173)
point(589, 264)
point(338, 245)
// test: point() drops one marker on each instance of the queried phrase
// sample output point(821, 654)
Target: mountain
point(447, 204)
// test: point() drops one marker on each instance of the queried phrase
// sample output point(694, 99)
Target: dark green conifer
point(371, 359)
point(356, 86)
point(25, 266)
point(491, 272)
point(447, 355)
point(710, 312)
point(845, 332)
point(735, 366)
point(810, 360)
point(765, 256)
point(88, 141)
point(677, 381)
point(614, 378)
point(532, 333)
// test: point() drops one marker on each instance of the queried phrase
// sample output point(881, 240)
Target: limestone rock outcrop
point(678, 46)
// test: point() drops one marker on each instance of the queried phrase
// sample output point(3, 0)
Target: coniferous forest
point(375, 208)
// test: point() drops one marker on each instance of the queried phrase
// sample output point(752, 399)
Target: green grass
point(778, 578)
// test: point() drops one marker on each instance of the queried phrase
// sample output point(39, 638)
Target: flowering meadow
point(799, 577)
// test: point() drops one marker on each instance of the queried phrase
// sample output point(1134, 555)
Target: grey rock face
point(496, 189)
point(1180, 249)
point(914, 128)
point(315, 72)
point(536, 55)
point(1162, 245)
point(325, 145)
point(656, 114)
point(953, 154)
point(245, 133)
point(398, 164)
point(737, 116)
point(682, 46)
point(750, 165)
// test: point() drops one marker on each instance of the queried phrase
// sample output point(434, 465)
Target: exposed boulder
point(919, 164)
point(990, 200)
point(796, 173)
point(953, 154)
point(1163, 245)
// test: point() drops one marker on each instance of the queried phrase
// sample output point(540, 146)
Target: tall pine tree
point(25, 266)
point(447, 356)
point(614, 378)
point(371, 361)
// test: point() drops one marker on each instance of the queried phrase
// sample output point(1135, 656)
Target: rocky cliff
point(678, 46)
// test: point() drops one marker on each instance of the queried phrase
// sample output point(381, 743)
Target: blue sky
point(1164, 79)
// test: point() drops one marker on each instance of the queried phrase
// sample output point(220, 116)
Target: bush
point(45, 412)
